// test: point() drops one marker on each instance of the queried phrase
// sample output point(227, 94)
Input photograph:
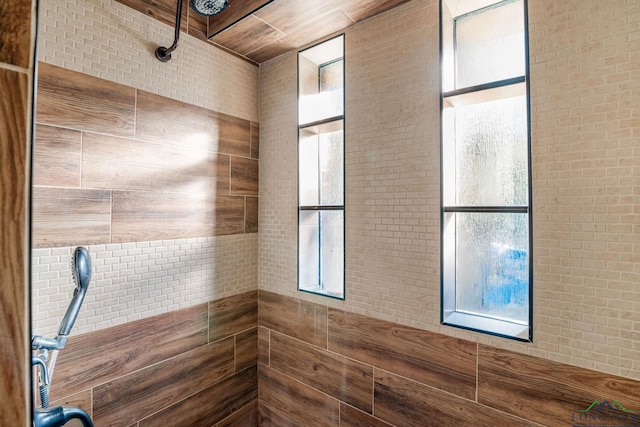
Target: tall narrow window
point(321, 168)
point(486, 197)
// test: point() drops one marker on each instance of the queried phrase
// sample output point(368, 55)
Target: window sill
point(489, 325)
point(323, 292)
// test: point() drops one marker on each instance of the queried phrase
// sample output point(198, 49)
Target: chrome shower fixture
point(202, 7)
point(81, 269)
point(209, 7)
point(81, 273)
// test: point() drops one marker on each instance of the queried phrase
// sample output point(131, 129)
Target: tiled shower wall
point(110, 47)
point(585, 163)
point(132, 281)
point(164, 193)
point(190, 367)
point(322, 366)
point(109, 40)
point(153, 167)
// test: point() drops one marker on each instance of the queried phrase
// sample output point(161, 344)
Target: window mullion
point(484, 86)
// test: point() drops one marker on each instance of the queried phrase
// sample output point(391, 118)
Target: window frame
point(449, 314)
point(323, 208)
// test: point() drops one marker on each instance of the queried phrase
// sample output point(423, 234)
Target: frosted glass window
point(486, 190)
point(332, 83)
point(332, 252)
point(321, 252)
point(491, 153)
point(331, 168)
point(492, 265)
point(321, 165)
point(490, 45)
point(308, 249)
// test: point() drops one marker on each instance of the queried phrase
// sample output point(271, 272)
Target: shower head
point(209, 7)
point(81, 267)
point(81, 272)
point(202, 7)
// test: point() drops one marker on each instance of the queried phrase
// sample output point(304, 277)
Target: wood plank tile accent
point(197, 25)
point(246, 349)
point(308, 33)
point(162, 10)
point(544, 391)
point(157, 215)
point(235, 135)
point(437, 360)
point(244, 176)
point(247, 35)
point(233, 14)
point(361, 10)
point(161, 119)
point(404, 402)
point(243, 417)
point(210, 405)
point(233, 315)
point(79, 101)
point(250, 214)
point(14, 95)
point(98, 357)
point(255, 140)
point(144, 392)
point(15, 37)
point(263, 345)
point(57, 156)
point(300, 403)
point(289, 16)
point(347, 380)
point(81, 400)
point(352, 417)
point(69, 217)
point(271, 417)
point(305, 321)
point(127, 164)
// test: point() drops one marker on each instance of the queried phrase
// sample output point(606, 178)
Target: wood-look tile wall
point(192, 367)
point(326, 367)
point(114, 164)
point(16, 83)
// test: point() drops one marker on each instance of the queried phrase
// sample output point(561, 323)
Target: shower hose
point(44, 388)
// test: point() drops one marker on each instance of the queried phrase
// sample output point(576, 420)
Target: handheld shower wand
point(81, 273)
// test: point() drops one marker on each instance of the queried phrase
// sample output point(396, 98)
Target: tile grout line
point(477, 364)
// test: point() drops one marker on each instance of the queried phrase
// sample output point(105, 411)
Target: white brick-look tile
point(106, 39)
point(585, 113)
point(131, 281)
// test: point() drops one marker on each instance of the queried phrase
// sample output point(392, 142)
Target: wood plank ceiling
point(263, 29)
point(259, 30)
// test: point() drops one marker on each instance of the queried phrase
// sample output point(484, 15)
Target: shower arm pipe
point(164, 53)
